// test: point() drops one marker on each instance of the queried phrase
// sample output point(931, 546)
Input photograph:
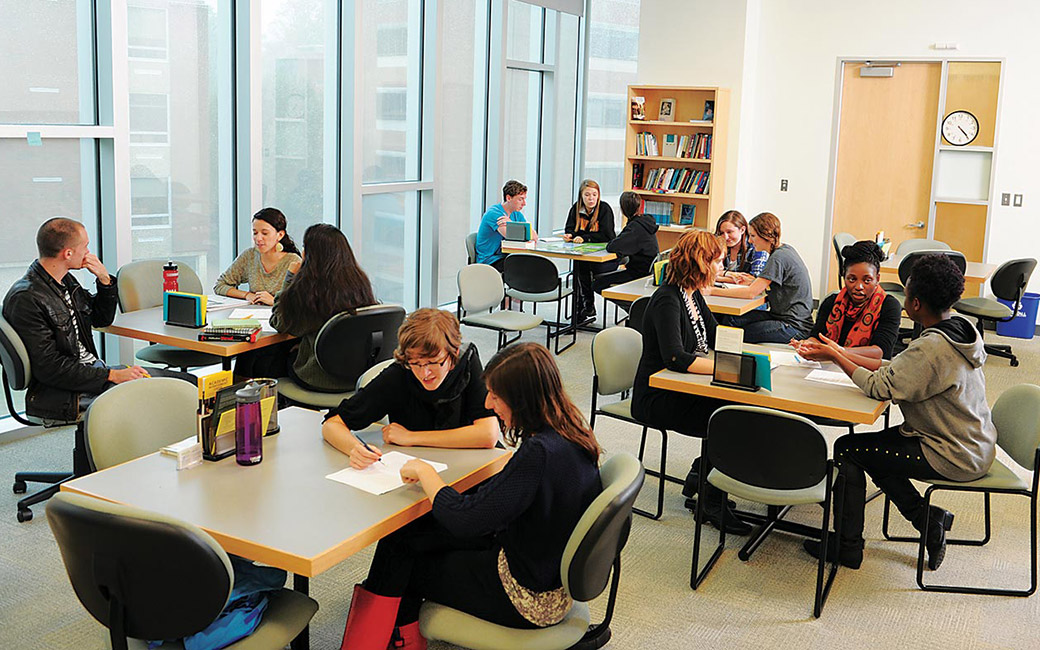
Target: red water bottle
point(169, 276)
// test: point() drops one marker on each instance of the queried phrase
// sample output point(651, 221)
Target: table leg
point(303, 639)
point(225, 363)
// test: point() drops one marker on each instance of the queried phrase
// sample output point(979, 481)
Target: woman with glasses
point(433, 395)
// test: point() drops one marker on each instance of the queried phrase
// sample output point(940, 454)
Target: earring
point(278, 247)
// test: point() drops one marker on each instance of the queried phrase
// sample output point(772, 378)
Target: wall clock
point(960, 128)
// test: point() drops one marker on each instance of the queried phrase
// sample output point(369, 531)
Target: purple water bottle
point(249, 431)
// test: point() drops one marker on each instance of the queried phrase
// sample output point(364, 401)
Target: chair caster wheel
point(19, 487)
point(24, 516)
point(1014, 362)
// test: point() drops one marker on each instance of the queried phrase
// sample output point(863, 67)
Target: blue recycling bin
point(1023, 325)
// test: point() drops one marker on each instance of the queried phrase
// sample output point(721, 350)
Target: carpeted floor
point(762, 603)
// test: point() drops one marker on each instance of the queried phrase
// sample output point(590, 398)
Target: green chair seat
point(293, 391)
point(510, 321)
point(999, 477)
point(730, 485)
point(168, 355)
point(545, 296)
point(984, 307)
point(441, 622)
point(621, 409)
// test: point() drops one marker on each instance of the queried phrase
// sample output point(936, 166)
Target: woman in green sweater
point(263, 266)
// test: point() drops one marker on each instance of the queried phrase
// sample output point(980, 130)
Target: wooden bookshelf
point(688, 111)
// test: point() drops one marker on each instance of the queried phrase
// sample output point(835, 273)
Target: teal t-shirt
point(489, 241)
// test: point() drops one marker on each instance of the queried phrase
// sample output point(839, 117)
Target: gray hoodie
point(940, 388)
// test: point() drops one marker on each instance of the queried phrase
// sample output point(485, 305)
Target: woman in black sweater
point(433, 396)
point(494, 553)
point(678, 334)
point(590, 220)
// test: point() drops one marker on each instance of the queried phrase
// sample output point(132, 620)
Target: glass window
point(522, 130)
point(47, 54)
point(57, 179)
point(524, 32)
point(619, 42)
point(293, 51)
point(174, 168)
point(391, 97)
point(389, 251)
point(563, 128)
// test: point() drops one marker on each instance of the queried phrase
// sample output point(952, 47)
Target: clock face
point(960, 128)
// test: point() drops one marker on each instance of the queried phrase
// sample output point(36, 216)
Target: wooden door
point(886, 146)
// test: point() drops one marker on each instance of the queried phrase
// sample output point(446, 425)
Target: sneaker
point(847, 557)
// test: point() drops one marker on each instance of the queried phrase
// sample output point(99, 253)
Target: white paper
point(260, 313)
point(379, 477)
point(729, 339)
point(218, 303)
point(787, 358)
point(552, 239)
point(831, 377)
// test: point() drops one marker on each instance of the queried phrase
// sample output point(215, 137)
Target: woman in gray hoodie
point(947, 432)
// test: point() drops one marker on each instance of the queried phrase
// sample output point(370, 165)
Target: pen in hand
point(367, 447)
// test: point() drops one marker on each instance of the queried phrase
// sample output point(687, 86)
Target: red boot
point(407, 637)
point(370, 621)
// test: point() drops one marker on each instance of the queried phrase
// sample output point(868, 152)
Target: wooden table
point(148, 325)
point(635, 289)
point(284, 512)
point(558, 250)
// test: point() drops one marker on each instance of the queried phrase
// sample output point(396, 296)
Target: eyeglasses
point(423, 366)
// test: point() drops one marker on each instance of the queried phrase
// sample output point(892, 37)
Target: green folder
point(762, 376)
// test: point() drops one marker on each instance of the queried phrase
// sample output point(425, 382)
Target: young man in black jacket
point(637, 241)
point(54, 315)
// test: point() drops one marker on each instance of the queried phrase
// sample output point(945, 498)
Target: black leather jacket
point(36, 309)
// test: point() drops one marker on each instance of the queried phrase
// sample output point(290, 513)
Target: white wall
point(789, 86)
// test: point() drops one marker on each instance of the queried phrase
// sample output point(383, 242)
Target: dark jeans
point(891, 459)
point(586, 273)
point(764, 327)
point(424, 561)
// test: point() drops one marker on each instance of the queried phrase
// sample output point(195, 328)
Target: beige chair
point(480, 291)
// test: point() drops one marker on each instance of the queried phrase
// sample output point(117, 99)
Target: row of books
point(672, 179)
point(661, 211)
point(646, 144)
point(697, 145)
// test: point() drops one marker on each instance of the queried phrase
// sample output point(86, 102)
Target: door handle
point(918, 224)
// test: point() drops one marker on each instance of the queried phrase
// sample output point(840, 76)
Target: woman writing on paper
point(743, 263)
point(328, 282)
point(947, 430)
point(590, 220)
point(494, 553)
point(263, 266)
point(679, 334)
point(433, 395)
point(861, 317)
point(787, 281)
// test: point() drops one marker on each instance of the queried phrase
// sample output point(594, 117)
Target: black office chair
point(148, 576)
point(535, 279)
point(769, 457)
point(346, 346)
point(16, 375)
point(840, 241)
point(906, 266)
point(636, 313)
point(1008, 283)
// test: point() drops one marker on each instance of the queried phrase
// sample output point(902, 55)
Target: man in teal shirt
point(492, 227)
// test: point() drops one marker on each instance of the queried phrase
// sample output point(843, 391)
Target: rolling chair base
point(1003, 351)
point(24, 505)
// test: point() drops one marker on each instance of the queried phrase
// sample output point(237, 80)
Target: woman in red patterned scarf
point(861, 317)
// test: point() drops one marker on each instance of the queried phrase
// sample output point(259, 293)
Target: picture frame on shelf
point(709, 110)
point(638, 108)
point(686, 214)
point(666, 112)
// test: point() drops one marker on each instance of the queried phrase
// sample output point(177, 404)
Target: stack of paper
point(379, 477)
point(829, 377)
point(787, 358)
point(255, 312)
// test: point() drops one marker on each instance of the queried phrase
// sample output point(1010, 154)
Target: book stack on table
point(238, 329)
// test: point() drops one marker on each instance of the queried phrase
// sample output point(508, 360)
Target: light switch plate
point(783, 184)
point(1018, 201)
point(1005, 198)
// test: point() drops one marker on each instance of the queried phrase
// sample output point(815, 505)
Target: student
point(328, 282)
point(494, 553)
point(590, 220)
point(947, 432)
point(53, 315)
point(678, 334)
point(742, 263)
point(861, 317)
point(637, 241)
point(263, 266)
point(492, 227)
point(787, 281)
point(433, 396)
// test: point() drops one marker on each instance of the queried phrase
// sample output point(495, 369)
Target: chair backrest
point(602, 531)
point(840, 241)
point(14, 356)
point(140, 574)
point(372, 373)
point(1016, 415)
point(662, 255)
point(530, 273)
point(347, 346)
point(615, 358)
point(906, 265)
point(910, 245)
point(480, 287)
point(636, 312)
point(140, 284)
point(137, 418)
point(1010, 279)
point(471, 248)
point(767, 448)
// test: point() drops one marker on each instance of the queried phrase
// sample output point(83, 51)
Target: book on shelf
point(686, 214)
point(695, 146)
point(709, 110)
point(637, 175)
point(670, 145)
point(682, 180)
point(638, 108)
point(646, 144)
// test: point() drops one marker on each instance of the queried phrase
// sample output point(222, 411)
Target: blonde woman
point(590, 220)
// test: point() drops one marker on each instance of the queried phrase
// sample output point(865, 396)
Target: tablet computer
point(734, 370)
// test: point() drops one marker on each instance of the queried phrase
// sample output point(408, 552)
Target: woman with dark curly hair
point(947, 432)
